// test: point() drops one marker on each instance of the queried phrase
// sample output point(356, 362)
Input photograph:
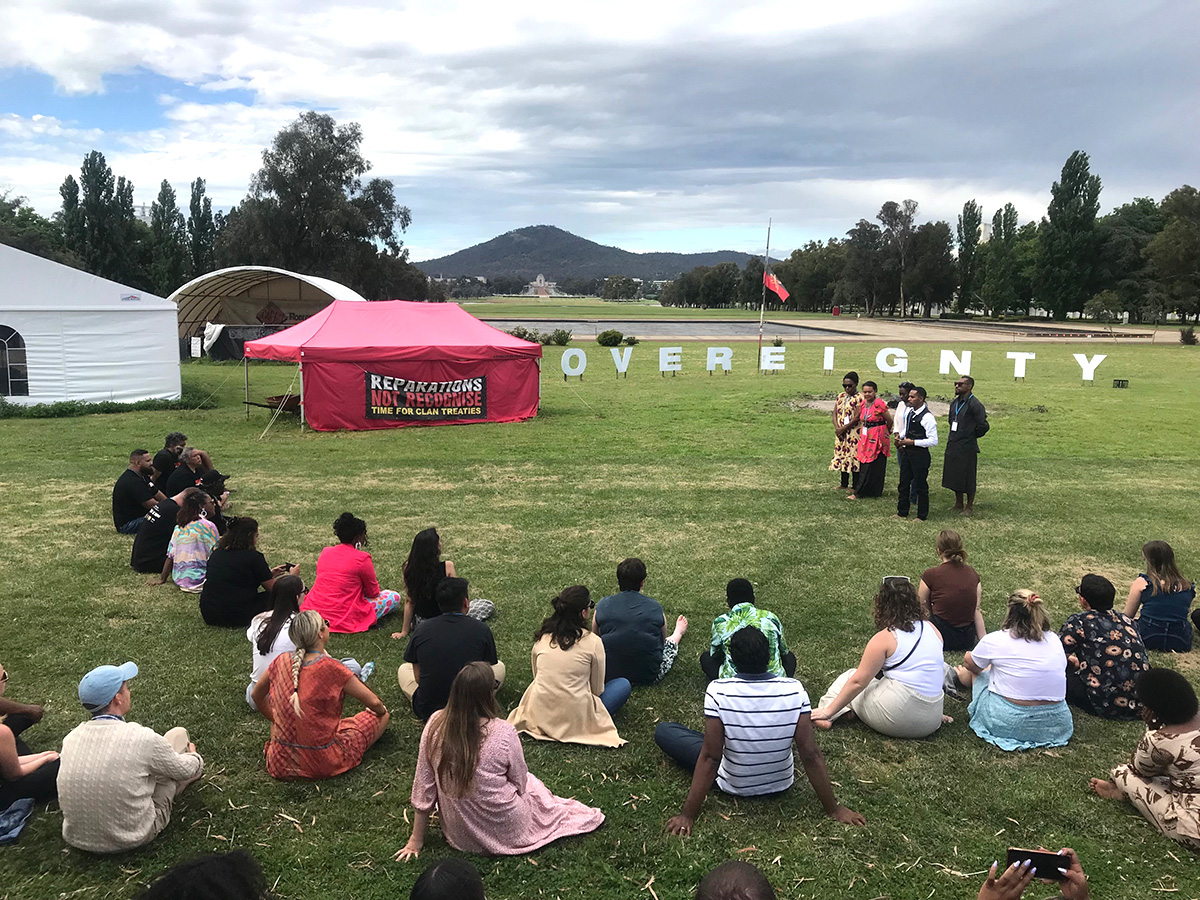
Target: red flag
point(776, 285)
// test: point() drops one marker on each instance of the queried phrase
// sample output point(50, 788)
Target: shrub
point(631, 340)
point(524, 334)
point(610, 338)
point(778, 342)
point(560, 337)
point(541, 337)
point(190, 399)
point(1187, 335)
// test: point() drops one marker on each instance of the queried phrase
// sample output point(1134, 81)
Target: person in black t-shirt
point(166, 459)
point(187, 474)
point(441, 646)
point(231, 595)
point(134, 493)
point(213, 484)
point(149, 553)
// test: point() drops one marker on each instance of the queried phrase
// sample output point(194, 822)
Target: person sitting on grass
point(117, 781)
point(149, 551)
point(1164, 596)
point(23, 773)
point(1018, 680)
point(216, 876)
point(422, 572)
point(1105, 654)
point(345, 590)
point(134, 494)
point(1162, 778)
point(633, 627)
point(715, 661)
point(448, 879)
point(1014, 880)
point(569, 700)
point(897, 687)
point(307, 689)
point(471, 767)
point(953, 595)
point(238, 583)
point(441, 646)
point(268, 631)
point(754, 713)
point(192, 543)
point(735, 879)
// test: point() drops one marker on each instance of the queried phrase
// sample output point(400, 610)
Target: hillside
point(558, 254)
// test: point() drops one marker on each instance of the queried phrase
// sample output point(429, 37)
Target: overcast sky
point(669, 125)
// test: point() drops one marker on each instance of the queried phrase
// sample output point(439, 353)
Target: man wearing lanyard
point(968, 423)
point(913, 443)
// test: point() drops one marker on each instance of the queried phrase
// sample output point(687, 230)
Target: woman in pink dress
point(874, 444)
point(345, 590)
point(471, 767)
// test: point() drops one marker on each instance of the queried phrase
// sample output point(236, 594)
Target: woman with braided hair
point(1018, 679)
point(569, 700)
point(302, 693)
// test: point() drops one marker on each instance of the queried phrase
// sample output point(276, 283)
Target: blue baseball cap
point(99, 686)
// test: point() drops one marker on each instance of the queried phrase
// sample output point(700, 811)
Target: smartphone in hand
point(1045, 863)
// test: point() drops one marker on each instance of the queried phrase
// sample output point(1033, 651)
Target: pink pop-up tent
point(395, 363)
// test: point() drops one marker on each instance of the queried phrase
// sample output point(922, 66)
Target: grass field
point(594, 308)
point(706, 478)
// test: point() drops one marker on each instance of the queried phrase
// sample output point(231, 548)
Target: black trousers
point(954, 637)
point(712, 667)
point(41, 784)
point(914, 479)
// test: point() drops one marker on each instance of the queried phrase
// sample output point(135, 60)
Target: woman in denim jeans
point(1164, 596)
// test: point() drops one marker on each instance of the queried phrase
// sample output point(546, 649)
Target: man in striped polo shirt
point(749, 725)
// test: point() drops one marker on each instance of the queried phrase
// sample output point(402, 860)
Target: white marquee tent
point(68, 335)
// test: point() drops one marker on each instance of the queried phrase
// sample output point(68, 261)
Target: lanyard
point(960, 405)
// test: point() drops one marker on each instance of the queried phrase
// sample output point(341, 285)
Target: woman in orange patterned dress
point(847, 409)
point(302, 694)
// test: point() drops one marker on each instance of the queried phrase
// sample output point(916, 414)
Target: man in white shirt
point(913, 442)
point(117, 780)
point(750, 722)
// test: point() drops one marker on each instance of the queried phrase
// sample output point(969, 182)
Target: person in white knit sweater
point(117, 780)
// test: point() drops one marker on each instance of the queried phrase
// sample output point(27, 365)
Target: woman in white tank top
point(897, 687)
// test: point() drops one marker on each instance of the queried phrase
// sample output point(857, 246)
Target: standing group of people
point(866, 428)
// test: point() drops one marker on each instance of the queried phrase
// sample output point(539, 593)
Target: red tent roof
point(391, 330)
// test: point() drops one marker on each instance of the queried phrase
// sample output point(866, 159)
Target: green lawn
point(706, 478)
point(594, 308)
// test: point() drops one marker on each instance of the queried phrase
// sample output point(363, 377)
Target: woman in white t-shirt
point(1018, 679)
point(897, 687)
point(268, 632)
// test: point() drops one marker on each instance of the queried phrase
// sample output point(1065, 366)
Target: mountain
point(557, 254)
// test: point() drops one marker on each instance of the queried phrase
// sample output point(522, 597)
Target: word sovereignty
point(889, 360)
point(401, 398)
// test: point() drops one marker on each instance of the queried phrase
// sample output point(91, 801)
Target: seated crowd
point(116, 781)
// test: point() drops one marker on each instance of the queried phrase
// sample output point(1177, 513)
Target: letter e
point(670, 359)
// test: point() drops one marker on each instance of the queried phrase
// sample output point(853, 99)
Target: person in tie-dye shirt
point(715, 661)
point(192, 543)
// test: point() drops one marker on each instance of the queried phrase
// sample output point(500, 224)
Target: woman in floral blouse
point(1105, 654)
point(846, 411)
point(1162, 778)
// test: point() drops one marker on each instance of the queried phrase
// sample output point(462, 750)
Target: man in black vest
point(920, 433)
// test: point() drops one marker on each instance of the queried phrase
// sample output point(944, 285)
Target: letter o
point(574, 361)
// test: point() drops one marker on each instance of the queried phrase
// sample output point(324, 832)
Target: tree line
point(1143, 259)
point(308, 210)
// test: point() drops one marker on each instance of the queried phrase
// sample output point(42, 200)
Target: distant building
point(540, 287)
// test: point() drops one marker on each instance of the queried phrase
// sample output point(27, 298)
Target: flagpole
point(762, 309)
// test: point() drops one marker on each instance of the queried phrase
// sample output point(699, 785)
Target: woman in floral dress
point(846, 411)
point(1162, 778)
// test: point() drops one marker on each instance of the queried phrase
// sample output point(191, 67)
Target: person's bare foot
point(947, 720)
point(851, 497)
point(967, 512)
point(900, 517)
point(681, 625)
point(1105, 788)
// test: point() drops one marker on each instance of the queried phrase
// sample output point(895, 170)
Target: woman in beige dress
point(1162, 778)
point(569, 699)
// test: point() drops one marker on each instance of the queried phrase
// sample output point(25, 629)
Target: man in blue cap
point(117, 780)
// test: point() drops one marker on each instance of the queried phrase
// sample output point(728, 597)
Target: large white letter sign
point(1019, 362)
point(621, 358)
point(827, 363)
point(720, 356)
point(670, 359)
point(1089, 366)
point(574, 361)
point(885, 363)
point(961, 366)
point(771, 359)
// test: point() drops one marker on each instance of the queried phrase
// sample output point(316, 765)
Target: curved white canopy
point(254, 295)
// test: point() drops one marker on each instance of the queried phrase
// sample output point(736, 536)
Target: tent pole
point(300, 366)
point(246, 371)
